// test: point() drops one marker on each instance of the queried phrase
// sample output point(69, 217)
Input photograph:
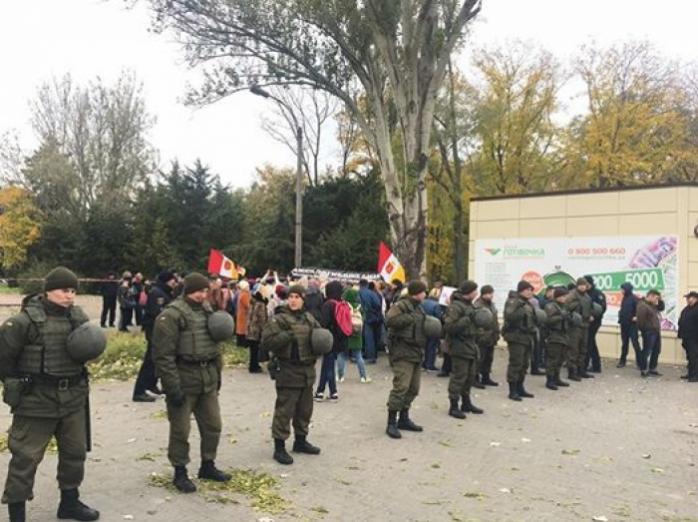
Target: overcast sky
point(44, 38)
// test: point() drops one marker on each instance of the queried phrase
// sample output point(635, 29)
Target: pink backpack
point(342, 316)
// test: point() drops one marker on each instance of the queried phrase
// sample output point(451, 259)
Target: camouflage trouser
point(28, 439)
point(463, 374)
point(486, 359)
point(554, 358)
point(293, 405)
point(577, 352)
point(519, 357)
point(406, 380)
point(207, 413)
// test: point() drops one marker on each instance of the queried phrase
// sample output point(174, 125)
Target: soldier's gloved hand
point(175, 400)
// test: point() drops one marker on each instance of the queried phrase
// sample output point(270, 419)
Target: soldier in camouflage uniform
point(47, 391)
point(557, 326)
point(189, 363)
point(488, 337)
point(461, 335)
point(407, 340)
point(292, 366)
point(519, 332)
point(579, 301)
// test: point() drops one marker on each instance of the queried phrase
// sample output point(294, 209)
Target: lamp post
point(298, 254)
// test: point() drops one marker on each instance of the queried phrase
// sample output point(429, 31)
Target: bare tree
point(311, 109)
point(11, 159)
point(102, 131)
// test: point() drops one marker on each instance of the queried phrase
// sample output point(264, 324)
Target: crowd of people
point(290, 325)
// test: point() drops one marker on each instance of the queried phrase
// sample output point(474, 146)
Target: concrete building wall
point(642, 211)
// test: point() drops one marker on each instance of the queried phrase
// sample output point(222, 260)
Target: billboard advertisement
point(648, 262)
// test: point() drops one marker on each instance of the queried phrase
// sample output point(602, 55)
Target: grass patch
point(122, 358)
point(260, 488)
point(10, 290)
point(124, 354)
point(234, 355)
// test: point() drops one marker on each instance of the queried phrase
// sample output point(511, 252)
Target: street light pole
point(299, 197)
point(298, 254)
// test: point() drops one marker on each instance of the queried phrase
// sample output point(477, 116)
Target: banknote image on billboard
point(647, 262)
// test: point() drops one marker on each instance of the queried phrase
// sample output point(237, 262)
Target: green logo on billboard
point(493, 251)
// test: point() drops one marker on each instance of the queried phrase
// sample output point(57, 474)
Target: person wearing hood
point(593, 356)
point(256, 319)
point(627, 319)
point(461, 335)
point(328, 377)
point(355, 342)
point(314, 299)
point(688, 333)
point(579, 302)
point(159, 297)
point(372, 310)
point(519, 333)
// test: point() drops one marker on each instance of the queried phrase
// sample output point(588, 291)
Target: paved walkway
point(617, 447)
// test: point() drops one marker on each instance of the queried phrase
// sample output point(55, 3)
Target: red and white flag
point(389, 267)
point(223, 266)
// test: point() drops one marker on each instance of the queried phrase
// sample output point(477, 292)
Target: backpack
point(357, 320)
point(343, 316)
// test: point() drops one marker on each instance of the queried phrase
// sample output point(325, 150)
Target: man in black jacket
point(627, 320)
point(109, 290)
point(688, 333)
point(158, 297)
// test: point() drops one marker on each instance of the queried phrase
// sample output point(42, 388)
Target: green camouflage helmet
point(221, 326)
point(577, 319)
point(432, 326)
point(596, 310)
point(321, 341)
point(86, 342)
point(541, 317)
point(484, 318)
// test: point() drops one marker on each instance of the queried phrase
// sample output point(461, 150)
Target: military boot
point(182, 481)
point(455, 411)
point(550, 382)
point(560, 382)
point(405, 423)
point(522, 391)
point(478, 383)
point(280, 454)
point(17, 511)
point(572, 375)
point(487, 381)
point(209, 471)
point(301, 445)
point(468, 406)
point(514, 392)
point(392, 430)
point(584, 374)
point(71, 507)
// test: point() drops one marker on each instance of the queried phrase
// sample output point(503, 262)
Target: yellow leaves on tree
point(19, 225)
point(635, 130)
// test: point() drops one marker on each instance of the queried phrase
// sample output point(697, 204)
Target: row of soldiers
point(471, 332)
